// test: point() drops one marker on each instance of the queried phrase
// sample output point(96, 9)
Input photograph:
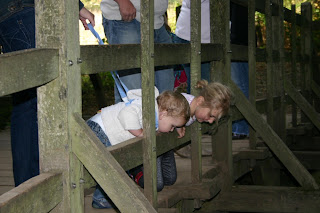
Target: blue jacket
point(10, 7)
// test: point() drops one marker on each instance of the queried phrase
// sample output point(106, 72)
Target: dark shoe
point(103, 204)
point(136, 175)
point(238, 136)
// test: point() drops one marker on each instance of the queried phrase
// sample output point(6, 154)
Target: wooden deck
point(183, 168)
point(6, 174)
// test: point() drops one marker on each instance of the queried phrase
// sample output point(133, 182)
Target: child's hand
point(137, 132)
point(181, 131)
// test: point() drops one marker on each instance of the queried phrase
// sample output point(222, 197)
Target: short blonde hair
point(174, 103)
point(216, 96)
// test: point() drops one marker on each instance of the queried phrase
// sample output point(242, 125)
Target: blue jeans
point(121, 32)
point(99, 194)
point(17, 32)
point(240, 76)
point(205, 67)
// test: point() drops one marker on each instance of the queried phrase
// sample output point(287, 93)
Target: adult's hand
point(85, 14)
point(127, 10)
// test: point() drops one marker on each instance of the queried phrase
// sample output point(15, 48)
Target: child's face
point(169, 123)
point(205, 114)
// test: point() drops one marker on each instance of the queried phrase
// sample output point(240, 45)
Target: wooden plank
point(107, 171)
point(293, 43)
point(148, 102)
point(100, 58)
point(252, 64)
point(58, 99)
point(38, 194)
point(269, 61)
point(310, 159)
point(316, 88)
point(303, 104)
point(277, 146)
point(267, 199)
point(195, 74)
point(4, 189)
point(258, 154)
point(35, 67)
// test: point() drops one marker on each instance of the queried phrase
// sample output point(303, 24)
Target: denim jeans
point(205, 67)
point(121, 32)
point(240, 76)
point(17, 32)
point(99, 194)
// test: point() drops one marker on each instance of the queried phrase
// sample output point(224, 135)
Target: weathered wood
point(269, 61)
point(168, 210)
point(148, 101)
point(310, 159)
point(107, 171)
point(273, 141)
point(305, 143)
point(39, 194)
point(195, 74)
point(252, 65)
point(58, 99)
point(258, 154)
point(30, 68)
point(100, 58)
point(302, 103)
point(278, 44)
point(315, 88)
point(293, 43)
point(267, 199)
point(205, 190)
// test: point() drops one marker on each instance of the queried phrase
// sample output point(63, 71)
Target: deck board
point(183, 168)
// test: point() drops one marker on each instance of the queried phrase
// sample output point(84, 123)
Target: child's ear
point(162, 114)
point(200, 100)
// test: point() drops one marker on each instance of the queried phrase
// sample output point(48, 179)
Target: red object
point(180, 78)
point(138, 176)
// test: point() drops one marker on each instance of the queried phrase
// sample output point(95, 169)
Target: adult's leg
point(17, 33)
point(169, 168)
point(164, 79)
point(240, 76)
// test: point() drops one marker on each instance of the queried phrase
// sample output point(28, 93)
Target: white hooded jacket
point(119, 118)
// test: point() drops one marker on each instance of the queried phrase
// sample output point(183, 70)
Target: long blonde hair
point(216, 96)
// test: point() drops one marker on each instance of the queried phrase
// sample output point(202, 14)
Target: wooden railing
point(66, 142)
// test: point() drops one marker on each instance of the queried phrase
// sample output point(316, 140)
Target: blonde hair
point(174, 103)
point(216, 96)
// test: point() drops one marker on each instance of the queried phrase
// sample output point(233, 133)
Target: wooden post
point(252, 64)
point(221, 72)
point(57, 25)
point(195, 67)
point(278, 70)
point(306, 48)
point(269, 62)
point(294, 60)
point(148, 103)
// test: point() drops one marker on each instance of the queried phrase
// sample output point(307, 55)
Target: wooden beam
point(316, 89)
point(304, 105)
point(277, 146)
point(100, 58)
point(310, 159)
point(38, 194)
point(107, 171)
point(25, 69)
point(267, 199)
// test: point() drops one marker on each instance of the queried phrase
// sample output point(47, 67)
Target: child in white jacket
point(120, 122)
